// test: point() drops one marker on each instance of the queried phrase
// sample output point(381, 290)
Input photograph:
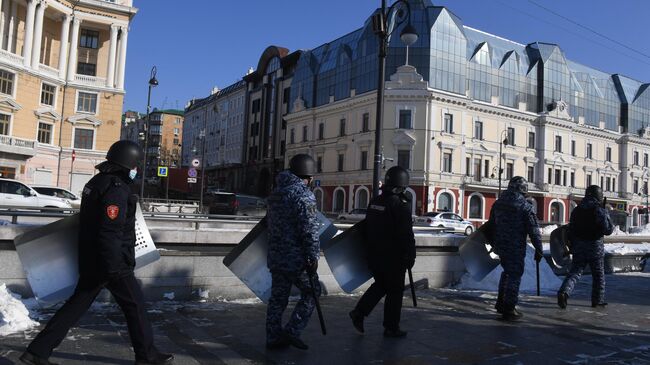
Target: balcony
point(49, 71)
point(17, 146)
point(90, 80)
point(11, 58)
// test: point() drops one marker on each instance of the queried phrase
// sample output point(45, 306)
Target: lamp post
point(153, 82)
point(503, 141)
point(408, 36)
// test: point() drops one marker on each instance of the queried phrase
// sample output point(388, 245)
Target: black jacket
point(389, 232)
point(107, 232)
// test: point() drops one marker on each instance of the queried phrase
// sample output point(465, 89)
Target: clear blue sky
point(207, 43)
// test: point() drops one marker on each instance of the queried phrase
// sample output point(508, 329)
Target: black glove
point(409, 261)
point(312, 266)
point(538, 256)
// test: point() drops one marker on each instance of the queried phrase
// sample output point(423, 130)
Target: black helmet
point(124, 153)
point(302, 165)
point(594, 191)
point(518, 184)
point(396, 177)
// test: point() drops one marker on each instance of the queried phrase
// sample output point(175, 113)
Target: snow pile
point(548, 281)
point(169, 296)
point(627, 248)
point(204, 294)
point(14, 316)
point(549, 229)
point(643, 230)
point(617, 232)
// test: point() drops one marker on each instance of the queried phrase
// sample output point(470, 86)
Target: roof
point(197, 103)
point(170, 111)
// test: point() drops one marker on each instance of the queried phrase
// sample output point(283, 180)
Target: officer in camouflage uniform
point(513, 218)
point(589, 222)
point(294, 249)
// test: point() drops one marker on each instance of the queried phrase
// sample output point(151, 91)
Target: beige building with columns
point(62, 68)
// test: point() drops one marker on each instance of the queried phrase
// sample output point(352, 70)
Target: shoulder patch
point(112, 211)
point(380, 208)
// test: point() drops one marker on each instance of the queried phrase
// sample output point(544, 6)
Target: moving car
point(235, 204)
point(355, 215)
point(445, 220)
point(16, 194)
point(60, 193)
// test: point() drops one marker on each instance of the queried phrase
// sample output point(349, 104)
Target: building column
point(38, 35)
point(63, 50)
point(29, 32)
point(110, 74)
point(3, 22)
point(122, 64)
point(74, 43)
point(12, 25)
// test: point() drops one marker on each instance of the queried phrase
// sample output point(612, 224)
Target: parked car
point(355, 215)
point(235, 204)
point(14, 193)
point(60, 193)
point(445, 220)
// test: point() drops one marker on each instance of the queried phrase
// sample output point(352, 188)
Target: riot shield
point(560, 247)
point(346, 257)
point(248, 260)
point(477, 253)
point(49, 255)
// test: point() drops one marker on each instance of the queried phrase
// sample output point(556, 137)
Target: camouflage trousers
point(597, 266)
point(280, 292)
point(513, 269)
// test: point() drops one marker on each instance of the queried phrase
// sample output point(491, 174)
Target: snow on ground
point(617, 232)
point(549, 282)
point(14, 316)
point(549, 229)
point(627, 248)
point(169, 296)
point(643, 230)
point(241, 301)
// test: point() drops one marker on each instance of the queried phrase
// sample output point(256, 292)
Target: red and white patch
point(112, 211)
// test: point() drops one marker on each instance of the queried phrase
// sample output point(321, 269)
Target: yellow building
point(62, 66)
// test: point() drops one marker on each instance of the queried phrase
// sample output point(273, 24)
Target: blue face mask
point(133, 173)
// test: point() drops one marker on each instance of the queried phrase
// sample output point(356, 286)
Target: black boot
point(394, 333)
point(562, 299)
point(357, 320)
point(280, 343)
point(159, 359)
point(31, 359)
point(511, 315)
point(295, 341)
point(598, 304)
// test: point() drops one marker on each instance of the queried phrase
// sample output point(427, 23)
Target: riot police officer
point(390, 252)
point(513, 218)
point(588, 224)
point(294, 249)
point(106, 259)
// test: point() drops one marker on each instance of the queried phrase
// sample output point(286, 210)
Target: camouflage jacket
point(292, 225)
point(513, 218)
point(589, 223)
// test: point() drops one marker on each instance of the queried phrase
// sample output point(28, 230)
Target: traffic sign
point(191, 172)
point(196, 162)
point(316, 183)
point(191, 180)
point(162, 171)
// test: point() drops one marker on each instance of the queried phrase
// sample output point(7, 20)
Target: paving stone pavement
point(447, 327)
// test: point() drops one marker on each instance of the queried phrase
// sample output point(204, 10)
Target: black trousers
point(127, 294)
point(389, 283)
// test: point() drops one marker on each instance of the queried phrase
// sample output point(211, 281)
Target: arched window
point(362, 199)
point(318, 193)
point(556, 211)
point(445, 202)
point(635, 217)
point(339, 201)
point(475, 207)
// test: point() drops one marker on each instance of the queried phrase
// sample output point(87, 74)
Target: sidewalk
point(448, 327)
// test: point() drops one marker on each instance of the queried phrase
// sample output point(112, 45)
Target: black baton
point(537, 278)
point(318, 310)
point(415, 300)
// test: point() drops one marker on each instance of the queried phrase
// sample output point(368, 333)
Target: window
point(588, 180)
point(319, 164)
point(44, 133)
point(608, 155)
point(645, 160)
point(477, 169)
point(89, 69)
point(608, 181)
point(475, 207)
point(444, 202)
point(405, 119)
point(636, 156)
point(550, 175)
point(176, 131)
point(285, 95)
point(510, 170)
point(87, 102)
point(304, 133)
point(365, 124)
point(176, 141)
point(89, 39)
point(511, 136)
point(6, 82)
point(404, 159)
point(177, 121)
point(364, 160)
point(531, 173)
point(573, 148)
point(602, 183)
point(645, 187)
point(555, 212)
point(83, 138)
point(558, 144)
point(573, 179)
point(4, 124)
point(531, 139)
point(635, 189)
point(321, 131)
point(446, 162)
point(255, 108)
point(47, 94)
point(283, 146)
point(292, 136)
point(342, 127)
point(590, 149)
point(486, 168)
point(468, 167)
point(558, 177)
point(448, 123)
point(564, 178)
point(478, 130)
point(340, 162)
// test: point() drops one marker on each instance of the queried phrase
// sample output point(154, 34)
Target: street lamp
point(408, 36)
point(503, 141)
point(153, 82)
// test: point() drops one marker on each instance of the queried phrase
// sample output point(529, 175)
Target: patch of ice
point(549, 229)
point(14, 315)
point(169, 296)
point(241, 301)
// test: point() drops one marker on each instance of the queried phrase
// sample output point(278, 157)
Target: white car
point(355, 215)
point(445, 220)
point(16, 194)
point(60, 193)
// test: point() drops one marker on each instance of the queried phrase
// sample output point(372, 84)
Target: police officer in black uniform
point(106, 260)
point(391, 251)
